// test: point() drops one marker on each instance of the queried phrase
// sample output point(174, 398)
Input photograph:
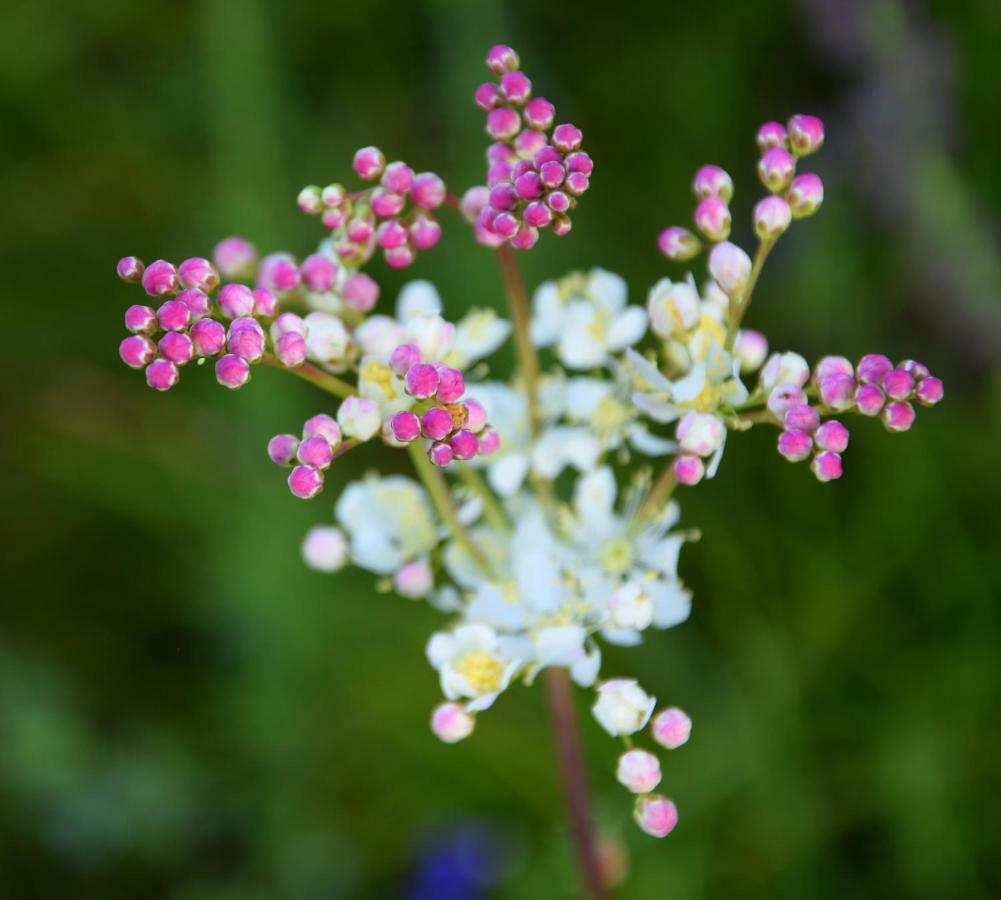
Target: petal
point(417, 297)
point(627, 328)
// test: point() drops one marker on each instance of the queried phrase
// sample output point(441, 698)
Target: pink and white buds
point(427, 191)
point(806, 134)
point(539, 114)
point(837, 391)
point(501, 59)
point(451, 384)
point(751, 348)
point(805, 195)
point(325, 548)
point(712, 218)
point(315, 452)
point(440, 455)
point(160, 279)
point(232, 371)
point(771, 134)
point(826, 466)
point(451, 723)
point(137, 351)
point(236, 301)
point(784, 397)
point(489, 442)
point(318, 272)
point(359, 418)
point(162, 374)
point(898, 384)
point(833, 436)
point(140, 319)
point(291, 349)
point(397, 178)
point(898, 416)
point(689, 470)
point(656, 815)
point(638, 771)
point(208, 337)
point(516, 88)
point(671, 727)
point(503, 123)
point(803, 417)
point(130, 269)
point(488, 96)
point(235, 257)
point(421, 381)
point(177, 347)
point(413, 579)
point(406, 426)
point(174, 315)
point(730, 267)
point(436, 423)
point(795, 445)
point(310, 200)
point(246, 339)
point(622, 706)
point(832, 365)
point(464, 444)
point(776, 169)
point(198, 273)
point(333, 195)
point(869, 399)
point(784, 368)
point(425, 232)
point(873, 367)
point(678, 244)
point(771, 218)
point(567, 138)
point(282, 449)
point(369, 163)
point(712, 181)
point(700, 433)
point(929, 391)
point(305, 482)
point(322, 425)
point(196, 301)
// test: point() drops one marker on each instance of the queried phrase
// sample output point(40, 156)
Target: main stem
point(564, 718)
point(739, 307)
point(528, 361)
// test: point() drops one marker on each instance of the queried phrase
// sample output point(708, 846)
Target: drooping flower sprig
point(516, 525)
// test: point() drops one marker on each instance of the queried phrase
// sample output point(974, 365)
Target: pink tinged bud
point(527, 144)
point(528, 186)
point(898, 384)
point(334, 218)
point(404, 358)
point(700, 433)
point(537, 214)
point(929, 391)
point(730, 267)
point(795, 445)
point(898, 416)
point(391, 234)
point(826, 466)
point(501, 59)
point(638, 771)
point(489, 442)
point(399, 257)
point(802, 417)
point(290, 349)
point(784, 397)
point(712, 181)
point(310, 200)
point(318, 272)
point(579, 162)
point(359, 418)
point(361, 292)
point(656, 815)
point(689, 469)
point(246, 341)
point(174, 315)
point(369, 163)
point(567, 138)
point(576, 183)
point(499, 173)
point(776, 169)
point(451, 723)
point(440, 455)
point(547, 154)
point(506, 224)
point(539, 113)
point(406, 426)
point(671, 727)
point(500, 153)
point(503, 196)
point(288, 321)
point(282, 449)
point(315, 452)
point(526, 238)
point(712, 218)
point(236, 300)
point(833, 365)
point(386, 204)
point(833, 436)
point(873, 367)
point(451, 384)
point(806, 134)
point(325, 548)
point(678, 244)
point(503, 123)
point(916, 369)
point(232, 371)
point(425, 232)
point(464, 444)
point(487, 96)
point(476, 415)
point(208, 337)
point(837, 391)
point(333, 195)
point(516, 88)
point(177, 347)
point(196, 301)
point(413, 579)
point(130, 268)
point(265, 303)
point(562, 225)
point(869, 399)
point(235, 257)
point(305, 482)
point(198, 273)
point(398, 178)
point(160, 279)
point(137, 351)
point(427, 191)
point(360, 229)
point(551, 174)
point(751, 348)
point(322, 425)
point(436, 423)
point(557, 201)
point(771, 134)
point(140, 319)
point(805, 195)
point(162, 374)
point(771, 218)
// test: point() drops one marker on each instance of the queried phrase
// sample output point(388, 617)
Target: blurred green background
point(187, 713)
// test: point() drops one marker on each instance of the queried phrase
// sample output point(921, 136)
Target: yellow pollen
point(616, 555)
point(482, 671)
point(379, 374)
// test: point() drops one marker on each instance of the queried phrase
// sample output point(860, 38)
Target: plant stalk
point(528, 360)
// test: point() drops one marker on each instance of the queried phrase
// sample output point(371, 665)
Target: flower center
point(380, 375)
point(616, 555)
point(481, 670)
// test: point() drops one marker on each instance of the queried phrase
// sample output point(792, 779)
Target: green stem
point(738, 305)
point(492, 509)
point(659, 494)
point(528, 360)
point(308, 372)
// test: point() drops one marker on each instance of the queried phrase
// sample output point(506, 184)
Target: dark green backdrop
point(186, 713)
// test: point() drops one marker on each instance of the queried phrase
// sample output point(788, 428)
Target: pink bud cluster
point(699, 436)
point(394, 216)
point(309, 456)
point(456, 428)
point(182, 328)
point(534, 177)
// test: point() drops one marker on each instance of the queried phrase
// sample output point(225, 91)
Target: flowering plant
point(533, 522)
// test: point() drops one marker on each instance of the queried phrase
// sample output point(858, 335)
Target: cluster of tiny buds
point(791, 197)
point(533, 178)
point(699, 435)
point(311, 455)
point(456, 428)
point(395, 216)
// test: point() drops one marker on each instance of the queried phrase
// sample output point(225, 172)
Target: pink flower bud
point(678, 244)
point(547, 154)
point(579, 162)
point(826, 466)
point(700, 433)
point(526, 238)
point(671, 727)
point(162, 374)
point(688, 469)
point(503, 123)
point(369, 163)
point(391, 234)
point(386, 204)
point(501, 59)
point(898, 384)
point(291, 349)
point(567, 138)
point(198, 273)
point(436, 423)
point(476, 415)
point(656, 815)
point(406, 426)
point(487, 96)
point(806, 134)
point(802, 417)
point(551, 174)
point(795, 445)
point(805, 195)
point(451, 723)
point(236, 300)
point(527, 144)
point(288, 321)
point(315, 452)
point(499, 152)
point(869, 399)
point(730, 267)
point(833, 436)
point(539, 113)
point(712, 218)
point(898, 416)
point(712, 181)
point(333, 195)
point(282, 449)
point(310, 200)
point(427, 191)
point(232, 371)
point(528, 186)
point(751, 348)
point(562, 225)
point(399, 257)
point(440, 455)
point(537, 214)
point(771, 218)
point(130, 268)
point(160, 279)
point(177, 347)
point(638, 771)
point(873, 367)
point(196, 301)
point(464, 444)
point(832, 365)
point(208, 337)
point(174, 315)
point(776, 169)
point(305, 482)
point(576, 183)
point(929, 391)
point(557, 201)
point(784, 397)
point(771, 134)
point(489, 441)
point(837, 391)
point(914, 368)
point(404, 357)
point(322, 425)
point(137, 351)
point(265, 303)
point(361, 292)
point(335, 218)
point(235, 257)
point(516, 88)
point(140, 319)
point(425, 232)
point(318, 272)
point(245, 340)
point(413, 579)
point(398, 178)
point(325, 548)
point(503, 196)
point(451, 385)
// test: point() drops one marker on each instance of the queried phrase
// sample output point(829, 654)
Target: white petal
point(417, 297)
point(608, 289)
point(507, 475)
point(650, 444)
point(627, 328)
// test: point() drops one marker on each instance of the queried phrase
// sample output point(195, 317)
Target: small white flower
point(701, 433)
point(359, 418)
point(477, 334)
point(378, 336)
point(327, 341)
point(622, 707)
point(638, 771)
point(470, 664)
point(325, 548)
point(413, 579)
point(631, 606)
point(673, 308)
